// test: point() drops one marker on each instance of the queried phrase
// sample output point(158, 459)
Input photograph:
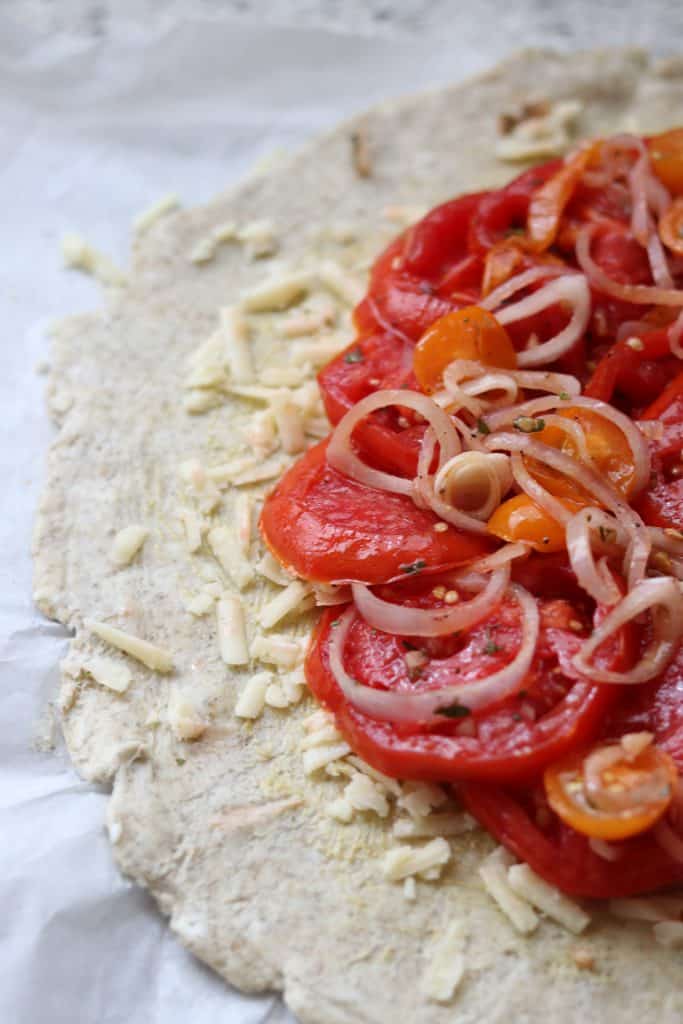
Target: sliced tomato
point(562, 856)
point(503, 213)
point(512, 741)
point(633, 377)
point(666, 152)
point(549, 201)
point(662, 503)
point(328, 528)
point(471, 333)
point(632, 793)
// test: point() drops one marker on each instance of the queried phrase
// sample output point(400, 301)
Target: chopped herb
point(483, 427)
point(180, 761)
point(354, 356)
point(607, 534)
point(491, 647)
point(413, 567)
point(408, 646)
point(454, 711)
point(516, 717)
point(528, 425)
point(565, 396)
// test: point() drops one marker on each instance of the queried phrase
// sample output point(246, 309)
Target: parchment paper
point(91, 133)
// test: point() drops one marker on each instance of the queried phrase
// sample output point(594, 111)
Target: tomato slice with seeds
point(513, 740)
point(471, 333)
point(329, 528)
point(632, 794)
point(526, 825)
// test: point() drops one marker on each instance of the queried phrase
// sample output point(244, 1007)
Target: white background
point(99, 116)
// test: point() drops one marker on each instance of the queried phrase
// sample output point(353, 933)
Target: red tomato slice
point(662, 503)
point(563, 857)
point(514, 740)
point(504, 212)
point(634, 376)
point(329, 528)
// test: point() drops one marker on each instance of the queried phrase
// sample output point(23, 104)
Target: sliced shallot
point(569, 288)
point(596, 580)
point(637, 293)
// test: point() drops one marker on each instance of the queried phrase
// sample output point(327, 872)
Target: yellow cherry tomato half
point(666, 153)
point(521, 519)
point(469, 333)
point(607, 447)
point(607, 795)
point(671, 227)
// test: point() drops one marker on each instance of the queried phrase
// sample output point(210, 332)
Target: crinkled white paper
point(90, 134)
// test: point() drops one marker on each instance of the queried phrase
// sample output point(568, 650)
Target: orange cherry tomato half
point(549, 201)
point(470, 333)
point(623, 798)
point(666, 153)
point(503, 259)
point(671, 227)
point(609, 451)
point(521, 519)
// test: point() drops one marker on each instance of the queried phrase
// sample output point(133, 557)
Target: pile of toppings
point(495, 517)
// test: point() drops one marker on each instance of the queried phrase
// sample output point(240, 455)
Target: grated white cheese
point(289, 601)
point(388, 784)
point(364, 795)
point(318, 757)
point(546, 898)
point(184, 717)
point(317, 427)
point(418, 798)
point(319, 719)
point(269, 567)
point(542, 136)
point(277, 650)
point(669, 934)
point(194, 527)
point(232, 634)
point(289, 422)
point(260, 433)
point(260, 474)
point(200, 604)
point(127, 543)
point(340, 809)
point(277, 293)
point(224, 232)
point(410, 889)
point(342, 284)
point(299, 324)
point(251, 700)
point(259, 239)
point(156, 211)
point(445, 964)
point(449, 823)
point(149, 654)
point(207, 375)
point(235, 330)
point(327, 733)
point(196, 402)
point(406, 215)
point(226, 549)
point(108, 672)
point(285, 376)
point(200, 486)
point(318, 352)
point(79, 255)
point(493, 873)
point(243, 515)
point(402, 861)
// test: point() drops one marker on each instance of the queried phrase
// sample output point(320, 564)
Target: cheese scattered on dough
point(232, 634)
point(184, 717)
point(493, 872)
point(402, 861)
point(545, 135)
point(149, 654)
point(260, 433)
point(445, 964)
point(269, 567)
point(317, 757)
point(404, 215)
point(107, 672)
point(669, 934)
point(388, 784)
point(410, 889)
point(364, 795)
point(197, 402)
point(327, 733)
point(200, 486)
point(285, 376)
point(340, 809)
point(289, 422)
point(226, 548)
point(546, 898)
point(127, 543)
point(319, 719)
point(449, 823)
point(251, 700)
point(277, 293)
point(156, 211)
point(277, 650)
point(194, 527)
point(418, 798)
point(79, 255)
point(205, 248)
point(115, 830)
point(243, 513)
point(200, 604)
point(318, 352)
point(342, 284)
point(287, 602)
point(260, 474)
point(235, 330)
point(318, 427)
point(258, 238)
point(299, 324)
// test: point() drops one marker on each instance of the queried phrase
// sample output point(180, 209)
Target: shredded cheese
point(545, 135)
point(318, 757)
point(342, 284)
point(546, 898)
point(445, 964)
point(251, 700)
point(269, 567)
point(194, 527)
point(448, 823)
point(402, 861)
point(277, 650)
point(149, 654)
point(340, 809)
point(364, 795)
point(410, 889)
point(155, 212)
point(493, 873)
point(235, 331)
point(127, 543)
point(184, 717)
point(107, 672)
point(232, 634)
point(200, 604)
point(277, 293)
point(418, 798)
point(226, 549)
point(327, 733)
point(258, 238)
point(243, 514)
point(318, 352)
point(289, 422)
point(292, 600)
point(196, 402)
point(79, 255)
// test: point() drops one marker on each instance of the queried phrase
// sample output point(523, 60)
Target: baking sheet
point(91, 132)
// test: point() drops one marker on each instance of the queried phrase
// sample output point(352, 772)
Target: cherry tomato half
point(470, 333)
point(671, 227)
point(666, 152)
point(521, 519)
